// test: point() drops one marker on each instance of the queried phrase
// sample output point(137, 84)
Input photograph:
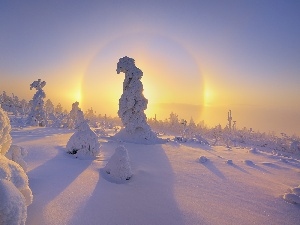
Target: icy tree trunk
point(132, 105)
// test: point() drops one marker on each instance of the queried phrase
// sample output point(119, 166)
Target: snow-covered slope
point(169, 185)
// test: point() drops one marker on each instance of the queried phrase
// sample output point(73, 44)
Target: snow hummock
point(253, 151)
point(5, 128)
point(13, 172)
point(118, 167)
point(291, 198)
point(17, 154)
point(13, 210)
point(229, 161)
point(296, 190)
point(132, 105)
point(203, 159)
point(84, 142)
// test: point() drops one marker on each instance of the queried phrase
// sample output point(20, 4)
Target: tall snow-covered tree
point(132, 105)
point(37, 115)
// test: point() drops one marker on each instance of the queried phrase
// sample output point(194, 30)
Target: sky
point(200, 59)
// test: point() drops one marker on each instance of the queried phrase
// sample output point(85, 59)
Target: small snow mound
point(253, 151)
point(5, 128)
point(284, 160)
point(229, 161)
point(296, 190)
point(83, 143)
point(13, 209)
point(118, 167)
point(16, 154)
point(291, 198)
point(11, 171)
point(180, 139)
point(248, 162)
point(203, 159)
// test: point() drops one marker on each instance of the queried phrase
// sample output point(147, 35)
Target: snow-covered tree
point(132, 105)
point(10, 104)
point(58, 109)
point(5, 128)
point(37, 115)
point(49, 107)
point(91, 117)
point(118, 166)
point(75, 116)
point(84, 142)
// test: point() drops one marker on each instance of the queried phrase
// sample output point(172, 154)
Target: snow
point(292, 198)
point(118, 167)
point(5, 128)
point(169, 185)
point(13, 172)
point(17, 154)
point(83, 143)
point(13, 210)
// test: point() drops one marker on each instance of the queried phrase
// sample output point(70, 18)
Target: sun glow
point(208, 97)
point(75, 96)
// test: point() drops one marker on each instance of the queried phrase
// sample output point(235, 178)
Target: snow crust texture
point(5, 128)
point(118, 167)
point(132, 105)
point(84, 142)
point(37, 115)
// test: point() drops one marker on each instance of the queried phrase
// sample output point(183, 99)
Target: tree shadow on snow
point(255, 166)
point(37, 133)
point(239, 168)
point(50, 179)
point(147, 198)
point(210, 166)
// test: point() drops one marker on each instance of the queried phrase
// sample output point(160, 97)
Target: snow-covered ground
point(170, 185)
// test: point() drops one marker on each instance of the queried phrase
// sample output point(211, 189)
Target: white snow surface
point(169, 185)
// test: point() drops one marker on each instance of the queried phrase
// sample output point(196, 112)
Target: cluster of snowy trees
point(230, 135)
point(13, 105)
